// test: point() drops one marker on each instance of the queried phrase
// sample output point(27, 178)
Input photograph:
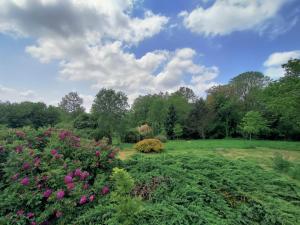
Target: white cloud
point(14, 95)
point(226, 16)
point(273, 63)
point(92, 39)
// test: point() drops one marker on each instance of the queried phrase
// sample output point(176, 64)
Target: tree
point(109, 108)
point(226, 110)
point(187, 93)
point(72, 103)
point(253, 123)
point(246, 87)
point(292, 68)
point(170, 121)
point(199, 119)
point(178, 131)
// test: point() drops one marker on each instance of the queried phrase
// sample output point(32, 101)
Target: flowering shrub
point(149, 145)
point(52, 176)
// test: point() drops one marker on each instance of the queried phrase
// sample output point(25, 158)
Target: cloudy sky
point(51, 47)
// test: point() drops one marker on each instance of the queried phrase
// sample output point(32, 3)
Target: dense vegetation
point(250, 105)
point(57, 164)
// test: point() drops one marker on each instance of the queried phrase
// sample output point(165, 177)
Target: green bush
point(149, 145)
point(131, 136)
point(126, 207)
point(295, 171)
point(162, 138)
point(281, 164)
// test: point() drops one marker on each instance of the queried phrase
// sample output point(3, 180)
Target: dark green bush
point(132, 136)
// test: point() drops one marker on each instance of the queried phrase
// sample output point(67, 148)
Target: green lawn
point(216, 182)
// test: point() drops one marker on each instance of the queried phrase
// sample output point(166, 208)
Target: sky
point(51, 47)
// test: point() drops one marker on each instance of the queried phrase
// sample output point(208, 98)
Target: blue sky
point(49, 47)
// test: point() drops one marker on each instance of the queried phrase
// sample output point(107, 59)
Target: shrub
point(162, 138)
point(126, 207)
point(131, 136)
point(53, 177)
point(280, 164)
point(149, 145)
point(145, 130)
point(295, 172)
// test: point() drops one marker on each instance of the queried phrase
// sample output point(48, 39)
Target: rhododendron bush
point(52, 176)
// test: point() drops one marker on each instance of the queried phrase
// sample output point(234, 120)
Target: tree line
point(250, 105)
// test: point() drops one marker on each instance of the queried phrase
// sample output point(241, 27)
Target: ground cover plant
point(187, 189)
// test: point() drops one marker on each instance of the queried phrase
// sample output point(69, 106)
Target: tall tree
point(281, 100)
point(199, 119)
point(72, 103)
point(109, 108)
point(225, 107)
point(253, 123)
point(292, 68)
point(170, 121)
point(187, 93)
point(246, 87)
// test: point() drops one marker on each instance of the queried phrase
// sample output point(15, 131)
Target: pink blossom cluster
point(20, 134)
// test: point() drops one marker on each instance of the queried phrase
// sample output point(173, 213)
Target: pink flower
point(37, 161)
point(26, 166)
point(20, 134)
point(58, 214)
point(83, 200)
point(84, 175)
point(60, 194)
point(70, 186)
point(53, 152)
point(30, 215)
point(25, 181)
point(112, 155)
point(98, 153)
point(20, 212)
point(15, 177)
point(77, 172)
point(105, 190)
point(47, 193)
point(19, 149)
point(58, 156)
point(86, 186)
point(68, 179)
point(33, 223)
point(92, 197)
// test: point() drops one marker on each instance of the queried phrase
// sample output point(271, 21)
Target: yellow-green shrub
point(149, 145)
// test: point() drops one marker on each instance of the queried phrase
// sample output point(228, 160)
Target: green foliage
point(197, 123)
point(162, 138)
point(188, 189)
point(131, 136)
point(178, 131)
point(170, 122)
point(149, 145)
point(72, 103)
point(28, 114)
point(280, 164)
point(109, 109)
point(292, 68)
point(126, 206)
point(253, 123)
